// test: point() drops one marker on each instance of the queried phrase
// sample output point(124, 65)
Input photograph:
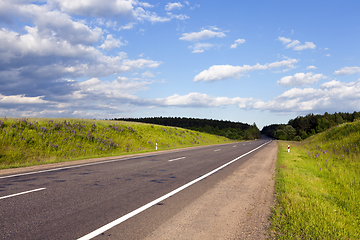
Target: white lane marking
point(176, 159)
point(17, 194)
point(234, 146)
point(156, 201)
point(217, 150)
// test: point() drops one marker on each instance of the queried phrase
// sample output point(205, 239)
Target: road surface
point(124, 198)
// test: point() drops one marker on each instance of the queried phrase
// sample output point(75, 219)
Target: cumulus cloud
point(132, 10)
point(311, 67)
point(172, 6)
point(295, 44)
point(237, 42)
point(111, 43)
point(203, 34)
point(331, 96)
point(221, 72)
point(300, 79)
point(21, 99)
point(97, 8)
point(347, 71)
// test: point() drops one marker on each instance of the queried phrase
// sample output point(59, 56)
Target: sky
point(245, 61)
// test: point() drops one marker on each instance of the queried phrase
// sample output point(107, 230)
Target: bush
point(297, 138)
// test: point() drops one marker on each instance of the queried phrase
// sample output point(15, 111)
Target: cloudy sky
point(247, 61)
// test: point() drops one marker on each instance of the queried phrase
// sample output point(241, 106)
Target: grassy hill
point(317, 186)
point(25, 142)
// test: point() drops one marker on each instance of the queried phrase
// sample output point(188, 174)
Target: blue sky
point(248, 61)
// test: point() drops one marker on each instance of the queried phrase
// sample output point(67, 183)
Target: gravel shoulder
point(236, 208)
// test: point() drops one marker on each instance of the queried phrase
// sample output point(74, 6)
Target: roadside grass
point(27, 142)
point(317, 186)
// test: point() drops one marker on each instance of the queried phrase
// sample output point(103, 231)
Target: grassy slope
point(25, 142)
point(317, 186)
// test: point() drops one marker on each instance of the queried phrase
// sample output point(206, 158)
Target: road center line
point(176, 159)
point(217, 150)
point(156, 201)
point(17, 194)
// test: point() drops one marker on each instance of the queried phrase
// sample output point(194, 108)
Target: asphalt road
point(73, 202)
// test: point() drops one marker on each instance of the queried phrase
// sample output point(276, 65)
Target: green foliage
point(29, 142)
point(231, 130)
point(317, 186)
point(308, 125)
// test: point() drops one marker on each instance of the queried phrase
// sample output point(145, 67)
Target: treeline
point(303, 127)
point(231, 130)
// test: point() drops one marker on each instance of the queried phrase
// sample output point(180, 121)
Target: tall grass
point(317, 186)
point(26, 142)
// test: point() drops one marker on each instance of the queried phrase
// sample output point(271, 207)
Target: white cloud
point(307, 45)
point(237, 42)
point(97, 8)
point(200, 47)
point(128, 26)
point(195, 6)
point(201, 100)
point(179, 16)
point(221, 72)
point(111, 43)
point(331, 96)
point(54, 24)
point(295, 44)
point(347, 71)
point(109, 9)
point(203, 34)
point(21, 99)
point(150, 16)
point(172, 6)
point(284, 40)
point(110, 89)
point(148, 74)
point(300, 79)
point(311, 67)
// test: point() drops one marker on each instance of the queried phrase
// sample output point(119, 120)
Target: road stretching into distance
point(131, 196)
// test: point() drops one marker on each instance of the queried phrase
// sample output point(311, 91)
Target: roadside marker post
point(288, 148)
point(156, 146)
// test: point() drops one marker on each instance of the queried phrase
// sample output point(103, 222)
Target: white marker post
point(156, 146)
point(288, 148)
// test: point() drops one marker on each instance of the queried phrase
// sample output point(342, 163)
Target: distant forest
point(303, 127)
point(231, 130)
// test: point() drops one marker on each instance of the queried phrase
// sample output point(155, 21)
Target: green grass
point(317, 186)
point(26, 142)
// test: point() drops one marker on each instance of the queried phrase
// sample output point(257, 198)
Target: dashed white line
point(176, 159)
point(217, 150)
point(156, 201)
point(17, 194)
